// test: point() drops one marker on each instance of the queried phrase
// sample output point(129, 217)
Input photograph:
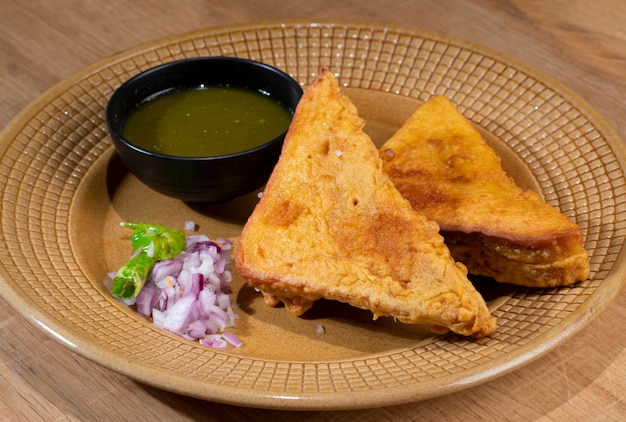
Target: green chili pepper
point(151, 243)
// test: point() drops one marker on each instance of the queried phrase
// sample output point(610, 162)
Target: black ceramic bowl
point(201, 179)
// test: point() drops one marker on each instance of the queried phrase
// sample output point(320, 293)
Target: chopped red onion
point(197, 329)
point(108, 280)
point(147, 299)
point(223, 300)
point(169, 267)
point(177, 317)
point(190, 294)
point(158, 318)
point(215, 342)
point(150, 250)
point(232, 339)
point(196, 238)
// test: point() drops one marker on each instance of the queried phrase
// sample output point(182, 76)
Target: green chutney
point(206, 121)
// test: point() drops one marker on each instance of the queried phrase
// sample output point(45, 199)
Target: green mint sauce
point(206, 122)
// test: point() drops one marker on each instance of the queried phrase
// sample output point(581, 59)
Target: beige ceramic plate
point(64, 193)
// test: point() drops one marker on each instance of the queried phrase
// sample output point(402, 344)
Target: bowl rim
point(116, 129)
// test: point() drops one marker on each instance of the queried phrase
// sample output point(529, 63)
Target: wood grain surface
point(581, 44)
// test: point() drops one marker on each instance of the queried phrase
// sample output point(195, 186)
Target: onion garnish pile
point(188, 292)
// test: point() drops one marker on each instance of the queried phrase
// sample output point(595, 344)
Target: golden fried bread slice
point(444, 167)
point(330, 224)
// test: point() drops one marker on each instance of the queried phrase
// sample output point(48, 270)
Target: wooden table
point(582, 44)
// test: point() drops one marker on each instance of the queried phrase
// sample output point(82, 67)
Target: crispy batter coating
point(444, 167)
point(330, 224)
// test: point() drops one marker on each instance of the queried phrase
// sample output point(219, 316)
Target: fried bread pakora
point(330, 224)
point(440, 162)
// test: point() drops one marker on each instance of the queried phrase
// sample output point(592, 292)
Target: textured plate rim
point(233, 395)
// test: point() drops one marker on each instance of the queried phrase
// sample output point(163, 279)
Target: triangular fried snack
point(444, 167)
point(330, 224)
